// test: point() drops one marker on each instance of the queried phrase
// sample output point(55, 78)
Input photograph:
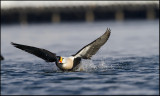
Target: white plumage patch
point(83, 52)
point(67, 62)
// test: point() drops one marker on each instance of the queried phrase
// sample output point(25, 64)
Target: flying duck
point(1, 57)
point(73, 62)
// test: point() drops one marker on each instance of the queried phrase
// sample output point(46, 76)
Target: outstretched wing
point(91, 49)
point(42, 53)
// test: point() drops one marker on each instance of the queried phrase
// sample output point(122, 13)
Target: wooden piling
point(151, 14)
point(56, 18)
point(89, 16)
point(119, 15)
point(23, 18)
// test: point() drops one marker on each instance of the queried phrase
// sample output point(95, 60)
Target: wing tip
point(108, 29)
point(14, 44)
point(108, 32)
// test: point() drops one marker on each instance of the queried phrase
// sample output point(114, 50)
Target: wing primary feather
point(41, 53)
point(91, 49)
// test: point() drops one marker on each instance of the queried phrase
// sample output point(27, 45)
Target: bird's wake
point(86, 66)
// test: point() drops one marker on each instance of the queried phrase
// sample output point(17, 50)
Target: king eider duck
point(73, 62)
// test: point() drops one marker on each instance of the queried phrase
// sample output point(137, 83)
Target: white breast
point(67, 63)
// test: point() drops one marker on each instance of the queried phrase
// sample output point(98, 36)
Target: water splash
point(94, 66)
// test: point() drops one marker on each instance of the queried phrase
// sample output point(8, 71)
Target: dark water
point(127, 64)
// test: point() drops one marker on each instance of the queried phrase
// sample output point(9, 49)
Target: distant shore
point(88, 11)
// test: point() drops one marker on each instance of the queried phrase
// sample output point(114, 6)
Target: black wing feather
point(41, 53)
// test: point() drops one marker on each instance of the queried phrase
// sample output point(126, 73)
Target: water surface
point(128, 64)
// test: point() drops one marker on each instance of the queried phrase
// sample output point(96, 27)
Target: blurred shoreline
point(25, 12)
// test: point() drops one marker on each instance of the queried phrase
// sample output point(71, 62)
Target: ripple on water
point(126, 65)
